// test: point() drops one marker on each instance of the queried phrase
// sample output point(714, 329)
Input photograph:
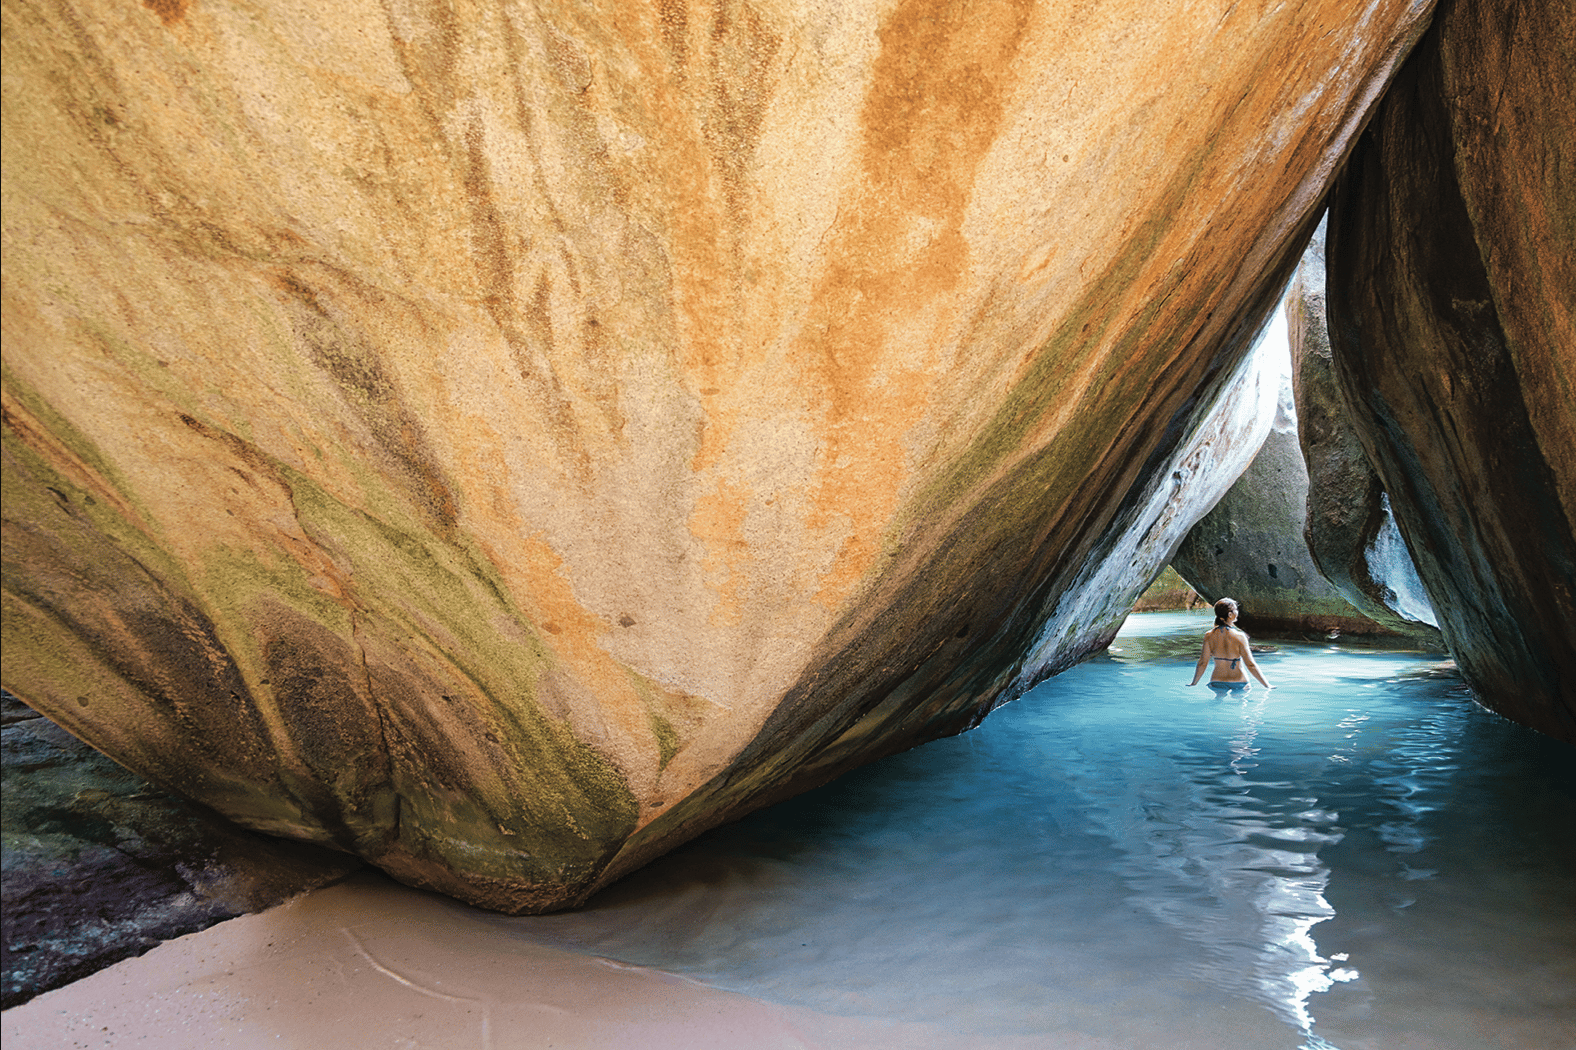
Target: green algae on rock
point(507, 445)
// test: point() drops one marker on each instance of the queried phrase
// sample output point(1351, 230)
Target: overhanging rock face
point(1452, 307)
point(505, 443)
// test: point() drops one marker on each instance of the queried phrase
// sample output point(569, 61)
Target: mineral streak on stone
point(1452, 260)
point(1350, 531)
point(505, 441)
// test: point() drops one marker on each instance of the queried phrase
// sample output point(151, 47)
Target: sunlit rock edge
point(1304, 540)
point(1348, 527)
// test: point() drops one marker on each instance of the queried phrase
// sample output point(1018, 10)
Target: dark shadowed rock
point(1349, 530)
point(99, 865)
point(1452, 259)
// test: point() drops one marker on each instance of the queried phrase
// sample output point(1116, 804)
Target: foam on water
point(1359, 858)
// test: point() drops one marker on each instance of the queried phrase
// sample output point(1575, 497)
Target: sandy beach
point(368, 964)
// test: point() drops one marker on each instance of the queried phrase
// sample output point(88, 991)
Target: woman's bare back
point(1226, 647)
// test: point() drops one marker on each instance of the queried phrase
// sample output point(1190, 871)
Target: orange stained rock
point(647, 367)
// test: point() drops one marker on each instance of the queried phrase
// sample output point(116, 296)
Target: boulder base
point(100, 865)
point(1349, 529)
point(504, 444)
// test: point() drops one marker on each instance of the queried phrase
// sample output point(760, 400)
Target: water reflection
point(1227, 854)
point(1120, 861)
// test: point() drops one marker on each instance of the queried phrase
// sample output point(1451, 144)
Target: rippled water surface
point(1358, 858)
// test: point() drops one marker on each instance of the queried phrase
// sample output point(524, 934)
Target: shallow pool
point(1360, 858)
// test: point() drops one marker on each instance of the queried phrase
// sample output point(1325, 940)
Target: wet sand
point(369, 964)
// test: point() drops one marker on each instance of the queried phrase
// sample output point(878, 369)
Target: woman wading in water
point(1227, 646)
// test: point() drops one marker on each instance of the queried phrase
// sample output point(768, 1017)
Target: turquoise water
point(1360, 858)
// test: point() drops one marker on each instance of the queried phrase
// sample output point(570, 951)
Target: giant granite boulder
point(502, 442)
point(1349, 529)
point(1452, 303)
point(1250, 545)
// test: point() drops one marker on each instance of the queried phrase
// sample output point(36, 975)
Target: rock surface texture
point(1250, 545)
point(1349, 530)
point(504, 441)
point(1452, 265)
point(99, 865)
point(1168, 593)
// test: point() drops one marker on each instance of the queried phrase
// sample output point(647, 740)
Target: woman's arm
point(1203, 661)
point(1247, 659)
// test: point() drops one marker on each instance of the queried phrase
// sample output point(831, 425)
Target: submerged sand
point(368, 964)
